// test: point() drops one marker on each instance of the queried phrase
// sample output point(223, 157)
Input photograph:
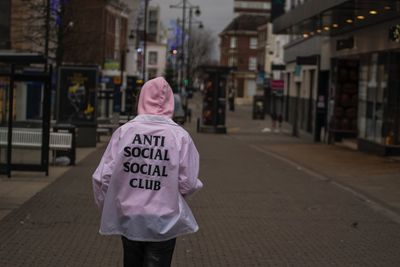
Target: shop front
point(303, 98)
point(365, 88)
point(363, 68)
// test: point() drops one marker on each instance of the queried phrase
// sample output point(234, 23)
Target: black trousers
point(148, 254)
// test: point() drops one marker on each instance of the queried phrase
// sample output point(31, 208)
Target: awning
point(332, 17)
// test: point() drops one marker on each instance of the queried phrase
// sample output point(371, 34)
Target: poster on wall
point(77, 87)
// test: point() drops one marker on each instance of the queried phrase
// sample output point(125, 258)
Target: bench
point(32, 138)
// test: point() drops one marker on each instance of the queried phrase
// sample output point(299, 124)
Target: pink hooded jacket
point(148, 168)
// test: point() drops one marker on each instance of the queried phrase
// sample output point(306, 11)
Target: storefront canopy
point(331, 17)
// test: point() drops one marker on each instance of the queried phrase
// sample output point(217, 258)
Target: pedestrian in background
point(189, 115)
point(148, 169)
point(274, 118)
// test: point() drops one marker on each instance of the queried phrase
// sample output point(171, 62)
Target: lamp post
point(146, 6)
point(182, 52)
point(183, 5)
point(189, 51)
point(47, 35)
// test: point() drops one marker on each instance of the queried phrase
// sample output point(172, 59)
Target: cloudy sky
point(215, 14)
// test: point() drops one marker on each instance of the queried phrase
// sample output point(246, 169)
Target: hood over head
point(156, 98)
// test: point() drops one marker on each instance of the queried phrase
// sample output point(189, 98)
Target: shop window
point(391, 128)
point(343, 122)
point(372, 87)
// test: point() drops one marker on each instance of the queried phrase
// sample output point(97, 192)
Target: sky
point(215, 14)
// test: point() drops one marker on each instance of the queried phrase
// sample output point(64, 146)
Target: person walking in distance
point(148, 169)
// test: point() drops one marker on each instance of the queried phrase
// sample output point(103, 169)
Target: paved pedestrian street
point(260, 206)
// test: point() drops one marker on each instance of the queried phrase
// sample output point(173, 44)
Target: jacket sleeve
point(102, 175)
point(189, 168)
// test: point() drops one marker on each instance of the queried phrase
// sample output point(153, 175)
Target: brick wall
point(242, 51)
point(85, 41)
point(92, 38)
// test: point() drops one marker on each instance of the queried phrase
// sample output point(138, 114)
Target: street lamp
point(197, 12)
point(146, 6)
point(182, 55)
point(201, 26)
point(183, 5)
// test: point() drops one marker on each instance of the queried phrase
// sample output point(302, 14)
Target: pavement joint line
point(394, 216)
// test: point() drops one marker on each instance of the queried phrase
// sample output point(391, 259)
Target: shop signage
point(117, 80)
point(111, 65)
point(298, 77)
point(345, 43)
point(277, 85)
point(394, 33)
point(105, 79)
point(260, 77)
point(311, 60)
point(278, 67)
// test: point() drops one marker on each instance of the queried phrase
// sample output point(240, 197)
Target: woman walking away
point(150, 165)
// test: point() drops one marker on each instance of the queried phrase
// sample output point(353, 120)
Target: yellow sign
point(117, 79)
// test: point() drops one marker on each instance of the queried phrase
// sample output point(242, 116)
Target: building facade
point(156, 59)
point(99, 36)
point(132, 37)
point(270, 78)
point(5, 13)
point(103, 23)
point(346, 64)
point(239, 49)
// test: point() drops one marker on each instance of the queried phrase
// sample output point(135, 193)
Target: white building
point(156, 59)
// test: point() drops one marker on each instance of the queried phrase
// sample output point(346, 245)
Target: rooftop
point(246, 22)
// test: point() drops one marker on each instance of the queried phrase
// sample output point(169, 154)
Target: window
point(233, 42)
point(232, 61)
point(252, 5)
point(153, 58)
point(252, 63)
point(253, 43)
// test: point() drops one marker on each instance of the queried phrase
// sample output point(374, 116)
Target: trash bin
point(67, 128)
point(258, 108)
point(86, 135)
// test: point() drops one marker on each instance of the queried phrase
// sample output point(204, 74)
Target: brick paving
point(254, 210)
point(375, 177)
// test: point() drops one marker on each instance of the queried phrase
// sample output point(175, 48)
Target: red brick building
point(239, 48)
point(98, 33)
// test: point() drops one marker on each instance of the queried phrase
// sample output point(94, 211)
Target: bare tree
point(29, 26)
point(201, 48)
point(64, 26)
